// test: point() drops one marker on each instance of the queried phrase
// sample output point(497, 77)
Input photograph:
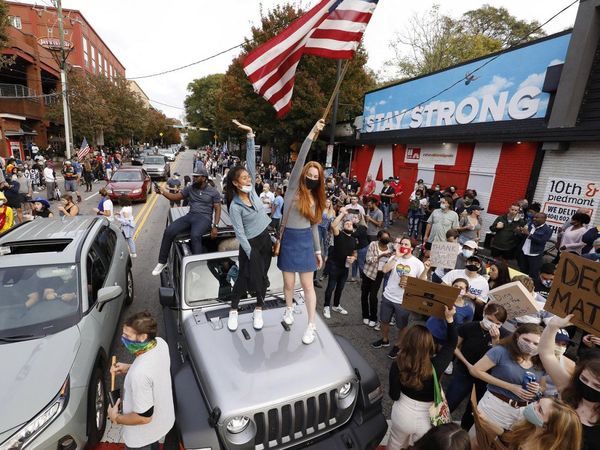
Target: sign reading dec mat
point(576, 290)
point(424, 297)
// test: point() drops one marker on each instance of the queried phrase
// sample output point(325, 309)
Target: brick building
point(26, 87)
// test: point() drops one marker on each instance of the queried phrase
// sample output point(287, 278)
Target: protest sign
point(515, 298)
point(424, 297)
point(443, 254)
point(576, 290)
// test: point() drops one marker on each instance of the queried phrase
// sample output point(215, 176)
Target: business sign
point(564, 196)
point(576, 290)
point(499, 88)
point(54, 43)
point(431, 155)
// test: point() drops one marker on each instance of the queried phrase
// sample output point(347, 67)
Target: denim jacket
point(539, 238)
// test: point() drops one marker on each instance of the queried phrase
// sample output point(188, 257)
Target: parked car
point(157, 166)
point(137, 158)
point(134, 182)
point(258, 389)
point(62, 288)
point(169, 153)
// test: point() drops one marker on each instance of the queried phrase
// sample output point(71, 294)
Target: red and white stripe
point(331, 29)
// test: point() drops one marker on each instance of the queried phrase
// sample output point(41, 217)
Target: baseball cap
point(200, 172)
point(562, 336)
point(176, 173)
point(472, 208)
point(471, 244)
point(67, 162)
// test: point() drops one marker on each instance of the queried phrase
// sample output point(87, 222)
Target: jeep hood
point(273, 366)
point(32, 374)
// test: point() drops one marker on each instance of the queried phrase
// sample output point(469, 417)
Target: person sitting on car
point(204, 200)
point(58, 288)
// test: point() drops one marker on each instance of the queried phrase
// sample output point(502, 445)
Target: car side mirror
point(108, 294)
point(167, 297)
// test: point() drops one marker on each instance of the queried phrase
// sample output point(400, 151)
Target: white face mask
point(467, 253)
point(559, 350)
point(246, 189)
point(443, 206)
point(487, 324)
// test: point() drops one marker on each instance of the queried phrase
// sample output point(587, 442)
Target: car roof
point(52, 240)
point(129, 169)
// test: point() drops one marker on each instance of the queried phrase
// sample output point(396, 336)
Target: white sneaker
point(232, 321)
point(288, 315)
point(366, 321)
point(372, 323)
point(257, 319)
point(309, 334)
point(377, 327)
point(449, 369)
point(340, 310)
point(158, 269)
point(327, 312)
point(134, 255)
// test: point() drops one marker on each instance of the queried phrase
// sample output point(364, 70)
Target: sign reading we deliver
point(576, 290)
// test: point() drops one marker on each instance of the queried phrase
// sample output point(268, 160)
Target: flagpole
point(336, 90)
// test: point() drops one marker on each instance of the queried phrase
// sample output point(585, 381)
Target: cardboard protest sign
point(424, 297)
point(443, 254)
point(515, 298)
point(576, 290)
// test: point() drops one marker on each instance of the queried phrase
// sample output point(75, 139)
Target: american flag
point(83, 150)
point(332, 29)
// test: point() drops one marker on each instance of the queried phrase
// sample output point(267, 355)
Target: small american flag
point(83, 150)
point(332, 29)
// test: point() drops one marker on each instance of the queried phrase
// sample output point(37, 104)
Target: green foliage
point(4, 24)
point(437, 41)
point(201, 103)
point(197, 138)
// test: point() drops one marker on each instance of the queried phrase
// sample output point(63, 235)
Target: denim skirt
point(297, 253)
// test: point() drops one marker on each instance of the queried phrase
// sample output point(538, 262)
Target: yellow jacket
point(8, 223)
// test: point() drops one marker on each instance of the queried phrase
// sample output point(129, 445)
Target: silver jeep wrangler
point(258, 389)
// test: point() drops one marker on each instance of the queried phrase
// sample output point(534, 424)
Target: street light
point(161, 139)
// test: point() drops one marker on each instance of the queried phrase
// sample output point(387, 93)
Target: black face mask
point(472, 267)
point(384, 241)
point(349, 232)
point(311, 184)
point(587, 392)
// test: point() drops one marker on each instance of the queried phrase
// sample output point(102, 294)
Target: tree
point(315, 80)
point(201, 103)
point(437, 41)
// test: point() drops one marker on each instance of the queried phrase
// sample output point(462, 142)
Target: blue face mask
point(531, 415)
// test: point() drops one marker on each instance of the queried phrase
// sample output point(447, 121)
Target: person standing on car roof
point(250, 223)
point(204, 201)
point(148, 408)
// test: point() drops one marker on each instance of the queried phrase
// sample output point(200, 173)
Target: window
point(86, 56)
point(96, 275)
point(107, 242)
point(15, 21)
point(105, 67)
point(93, 59)
point(99, 62)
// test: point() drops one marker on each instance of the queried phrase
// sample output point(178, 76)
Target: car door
point(146, 181)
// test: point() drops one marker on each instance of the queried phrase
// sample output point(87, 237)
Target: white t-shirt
point(478, 285)
point(267, 199)
point(412, 267)
point(148, 385)
point(108, 206)
point(49, 174)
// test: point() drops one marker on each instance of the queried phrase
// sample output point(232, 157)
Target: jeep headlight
point(238, 424)
point(345, 390)
point(346, 394)
point(35, 426)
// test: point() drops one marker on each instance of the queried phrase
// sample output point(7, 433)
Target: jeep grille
point(299, 421)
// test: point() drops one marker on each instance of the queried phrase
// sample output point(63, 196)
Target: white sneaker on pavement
point(288, 315)
point(309, 334)
point(134, 255)
point(340, 310)
point(257, 319)
point(158, 269)
point(366, 321)
point(232, 321)
point(372, 323)
point(327, 312)
point(377, 327)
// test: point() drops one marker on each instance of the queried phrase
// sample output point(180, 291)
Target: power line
point(470, 74)
point(164, 104)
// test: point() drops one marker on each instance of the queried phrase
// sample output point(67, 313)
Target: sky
point(150, 36)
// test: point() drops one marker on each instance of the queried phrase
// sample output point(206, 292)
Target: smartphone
point(156, 187)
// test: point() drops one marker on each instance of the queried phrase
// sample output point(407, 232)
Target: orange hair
point(311, 204)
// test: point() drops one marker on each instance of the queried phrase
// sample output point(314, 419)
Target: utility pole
point(63, 80)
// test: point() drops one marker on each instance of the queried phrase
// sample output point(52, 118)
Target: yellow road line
point(141, 211)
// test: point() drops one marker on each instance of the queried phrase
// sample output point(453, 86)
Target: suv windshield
point(214, 279)
point(34, 298)
point(154, 160)
point(127, 175)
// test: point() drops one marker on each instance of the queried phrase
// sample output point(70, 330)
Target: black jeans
point(253, 276)
point(198, 224)
point(153, 446)
point(337, 281)
point(368, 296)
point(530, 265)
point(460, 386)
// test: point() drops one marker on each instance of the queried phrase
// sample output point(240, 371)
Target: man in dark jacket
point(537, 234)
point(507, 237)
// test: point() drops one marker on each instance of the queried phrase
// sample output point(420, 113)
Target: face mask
point(175, 177)
point(405, 250)
point(487, 324)
point(246, 189)
point(588, 392)
point(136, 347)
point(472, 267)
point(546, 283)
point(532, 416)
point(443, 206)
point(559, 350)
point(349, 232)
point(311, 184)
point(437, 188)
point(467, 253)
point(526, 347)
point(384, 241)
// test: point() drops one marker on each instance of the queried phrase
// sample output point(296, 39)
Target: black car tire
point(97, 399)
point(129, 287)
